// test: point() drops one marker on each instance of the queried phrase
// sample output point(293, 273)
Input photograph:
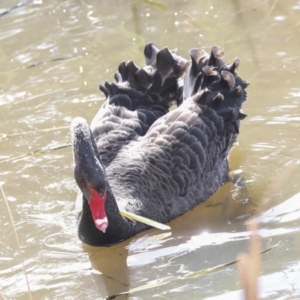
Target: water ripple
point(9, 33)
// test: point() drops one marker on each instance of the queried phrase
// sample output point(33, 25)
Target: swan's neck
point(100, 221)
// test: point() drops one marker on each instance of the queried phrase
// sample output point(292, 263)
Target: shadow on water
point(111, 262)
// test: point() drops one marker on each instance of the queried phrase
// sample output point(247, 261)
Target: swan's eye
point(101, 192)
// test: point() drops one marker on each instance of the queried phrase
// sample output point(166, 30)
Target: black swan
point(139, 156)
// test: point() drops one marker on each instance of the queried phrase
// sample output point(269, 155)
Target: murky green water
point(53, 56)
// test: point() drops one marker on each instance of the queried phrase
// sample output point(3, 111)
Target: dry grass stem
point(249, 265)
point(144, 220)
point(32, 153)
point(18, 242)
point(32, 131)
point(156, 3)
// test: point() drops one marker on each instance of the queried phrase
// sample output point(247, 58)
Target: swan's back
point(139, 97)
point(182, 159)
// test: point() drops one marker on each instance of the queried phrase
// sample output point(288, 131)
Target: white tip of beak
point(102, 224)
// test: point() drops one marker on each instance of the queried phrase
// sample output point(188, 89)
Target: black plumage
point(150, 161)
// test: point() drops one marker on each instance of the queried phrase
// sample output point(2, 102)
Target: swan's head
point(88, 171)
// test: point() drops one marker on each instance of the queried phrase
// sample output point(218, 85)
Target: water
point(53, 57)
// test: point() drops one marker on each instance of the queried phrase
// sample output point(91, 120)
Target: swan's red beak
point(97, 205)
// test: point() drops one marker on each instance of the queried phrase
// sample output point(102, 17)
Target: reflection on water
point(53, 57)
